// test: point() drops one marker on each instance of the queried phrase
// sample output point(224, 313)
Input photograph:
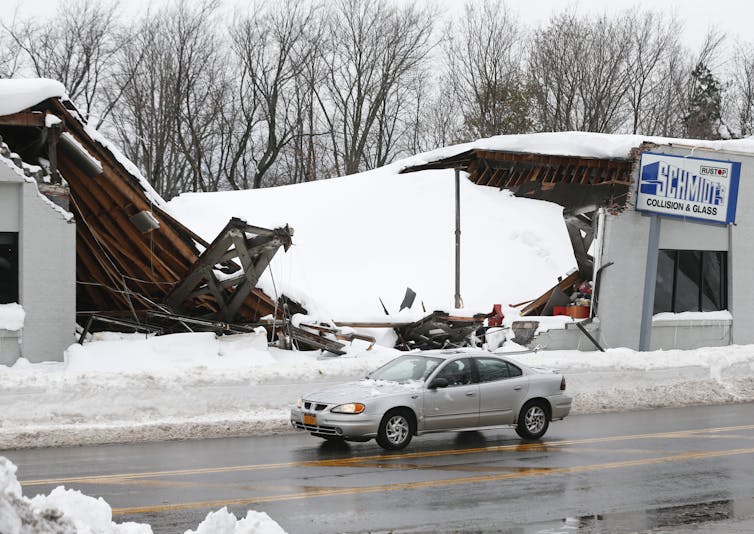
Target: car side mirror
point(438, 382)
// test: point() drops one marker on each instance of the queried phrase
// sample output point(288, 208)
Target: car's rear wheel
point(396, 430)
point(533, 420)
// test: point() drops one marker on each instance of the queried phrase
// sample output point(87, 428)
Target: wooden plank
point(34, 119)
point(120, 179)
point(542, 300)
point(319, 342)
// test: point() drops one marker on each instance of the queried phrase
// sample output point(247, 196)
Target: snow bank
point(126, 388)
point(66, 511)
point(19, 94)
point(133, 388)
point(224, 522)
point(12, 317)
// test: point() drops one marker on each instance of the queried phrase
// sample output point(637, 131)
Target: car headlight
point(351, 407)
point(299, 403)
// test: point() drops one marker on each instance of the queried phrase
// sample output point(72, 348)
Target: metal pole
point(458, 300)
point(650, 279)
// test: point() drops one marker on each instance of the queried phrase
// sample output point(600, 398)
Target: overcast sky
point(734, 17)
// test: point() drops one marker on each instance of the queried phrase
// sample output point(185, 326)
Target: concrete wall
point(741, 259)
point(47, 269)
point(622, 284)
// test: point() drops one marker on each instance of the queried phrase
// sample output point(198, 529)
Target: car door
point(502, 390)
point(454, 406)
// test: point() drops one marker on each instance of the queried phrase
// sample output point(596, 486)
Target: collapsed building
point(660, 229)
point(72, 203)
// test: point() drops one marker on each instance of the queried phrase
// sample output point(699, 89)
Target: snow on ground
point(66, 511)
point(123, 388)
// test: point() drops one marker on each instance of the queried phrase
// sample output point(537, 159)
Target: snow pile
point(71, 512)
point(62, 512)
point(182, 386)
point(19, 94)
point(369, 236)
point(623, 379)
point(122, 388)
point(12, 317)
point(224, 522)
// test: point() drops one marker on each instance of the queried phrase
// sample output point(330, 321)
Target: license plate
point(310, 420)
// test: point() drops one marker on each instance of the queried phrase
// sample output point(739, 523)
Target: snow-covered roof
point(572, 144)
point(20, 94)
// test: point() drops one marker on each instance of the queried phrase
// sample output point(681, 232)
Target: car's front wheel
point(396, 430)
point(533, 420)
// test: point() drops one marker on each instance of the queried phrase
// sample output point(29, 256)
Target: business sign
point(692, 188)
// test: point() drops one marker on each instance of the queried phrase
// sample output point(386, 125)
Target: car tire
point(396, 430)
point(533, 420)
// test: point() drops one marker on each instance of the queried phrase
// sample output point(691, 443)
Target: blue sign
point(693, 188)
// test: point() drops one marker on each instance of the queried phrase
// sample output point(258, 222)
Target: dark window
point(457, 372)
point(491, 369)
point(691, 280)
point(513, 370)
point(8, 267)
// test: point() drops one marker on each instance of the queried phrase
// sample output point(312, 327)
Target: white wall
point(47, 268)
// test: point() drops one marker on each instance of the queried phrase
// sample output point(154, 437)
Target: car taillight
point(562, 384)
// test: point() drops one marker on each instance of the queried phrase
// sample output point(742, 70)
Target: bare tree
point(9, 55)
point(374, 46)
point(75, 47)
point(273, 47)
point(652, 64)
point(742, 105)
point(579, 73)
point(484, 58)
point(305, 160)
point(168, 117)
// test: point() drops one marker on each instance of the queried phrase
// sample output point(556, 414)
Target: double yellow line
point(362, 460)
point(329, 492)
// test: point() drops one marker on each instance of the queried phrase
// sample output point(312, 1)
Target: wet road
point(662, 470)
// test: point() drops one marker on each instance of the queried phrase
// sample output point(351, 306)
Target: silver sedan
point(436, 391)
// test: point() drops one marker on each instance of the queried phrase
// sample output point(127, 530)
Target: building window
point(691, 280)
point(8, 267)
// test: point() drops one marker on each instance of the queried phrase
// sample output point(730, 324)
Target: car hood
point(361, 391)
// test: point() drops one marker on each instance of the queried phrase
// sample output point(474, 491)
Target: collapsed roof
point(581, 171)
point(132, 255)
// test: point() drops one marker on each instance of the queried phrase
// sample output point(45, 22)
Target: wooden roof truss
point(251, 246)
point(132, 256)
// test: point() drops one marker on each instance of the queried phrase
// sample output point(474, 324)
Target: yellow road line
point(328, 492)
point(353, 461)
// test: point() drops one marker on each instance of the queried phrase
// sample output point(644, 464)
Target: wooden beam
point(35, 119)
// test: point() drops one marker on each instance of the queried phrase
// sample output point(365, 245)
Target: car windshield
point(406, 369)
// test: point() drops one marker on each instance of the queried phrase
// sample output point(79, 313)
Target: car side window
point(457, 372)
point(513, 370)
point(492, 369)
